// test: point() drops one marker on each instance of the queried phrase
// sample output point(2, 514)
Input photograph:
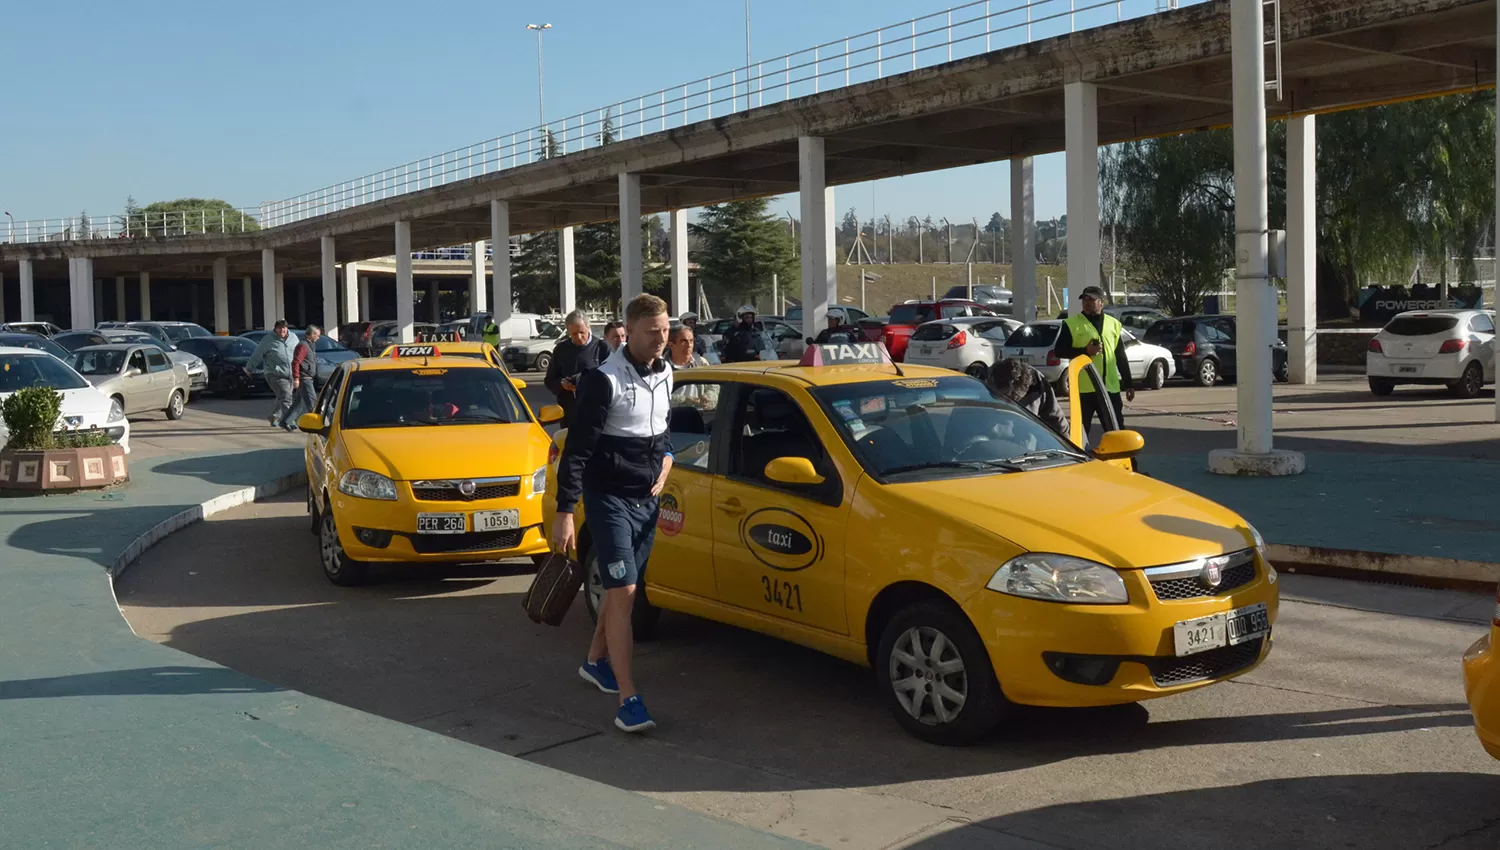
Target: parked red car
point(898, 327)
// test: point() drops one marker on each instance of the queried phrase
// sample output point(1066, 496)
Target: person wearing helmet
point(744, 342)
point(689, 320)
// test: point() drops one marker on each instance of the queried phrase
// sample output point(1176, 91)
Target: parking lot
point(1354, 733)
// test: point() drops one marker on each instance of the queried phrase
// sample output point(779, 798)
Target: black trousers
point(1089, 402)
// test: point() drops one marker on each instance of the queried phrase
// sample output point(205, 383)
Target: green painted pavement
point(108, 740)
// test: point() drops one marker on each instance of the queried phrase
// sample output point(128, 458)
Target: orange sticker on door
point(669, 516)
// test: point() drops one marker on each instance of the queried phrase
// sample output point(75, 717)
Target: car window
point(912, 314)
point(138, 361)
point(199, 347)
point(1481, 324)
point(1162, 332)
point(73, 342)
point(1033, 336)
point(933, 331)
point(953, 311)
point(381, 398)
point(1225, 327)
point(695, 408)
point(1421, 325)
point(770, 424)
point(158, 361)
point(853, 314)
point(997, 332)
point(324, 405)
point(98, 362)
point(326, 343)
point(1213, 333)
point(19, 371)
point(547, 330)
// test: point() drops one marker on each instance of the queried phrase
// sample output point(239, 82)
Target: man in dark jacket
point(1022, 384)
point(744, 342)
point(574, 354)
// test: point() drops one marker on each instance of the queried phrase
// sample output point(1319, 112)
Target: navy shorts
point(622, 531)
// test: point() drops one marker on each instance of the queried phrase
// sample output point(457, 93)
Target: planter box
point(56, 470)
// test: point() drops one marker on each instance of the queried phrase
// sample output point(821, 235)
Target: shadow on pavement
point(1454, 811)
point(98, 535)
point(144, 681)
point(239, 469)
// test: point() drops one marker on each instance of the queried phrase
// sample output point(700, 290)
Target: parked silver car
point(197, 370)
point(139, 378)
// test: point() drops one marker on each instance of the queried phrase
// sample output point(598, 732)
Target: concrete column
point(501, 298)
point(96, 299)
point(81, 292)
point(1081, 133)
point(1023, 239)
point(478, 289)
point(681, 298)
point(405, 296)
point(268, 308)
point(1302, 249)
point(631, 271)
point(245, 290)
point(330, 318)
point(434, 302)
point(364, 300)
point(145, 296)
point(1255, 297)
point(819, 288)
point(281, 295)
point(221, 295)
point(352, 311)
point(567, 276)
point(120, 298)
point(28, 292)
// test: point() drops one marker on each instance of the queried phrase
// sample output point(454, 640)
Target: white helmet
point(745, 309)
point(688, 316)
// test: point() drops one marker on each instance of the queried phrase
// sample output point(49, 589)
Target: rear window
point(934, 331)
point(1163, 332)
point(911, 314)
point(1421, 325)
point(1033, 336)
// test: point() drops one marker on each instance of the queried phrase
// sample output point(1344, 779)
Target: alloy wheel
point(928, 676)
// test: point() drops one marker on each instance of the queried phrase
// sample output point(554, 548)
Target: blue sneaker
point(634, 717)
point(600, 675)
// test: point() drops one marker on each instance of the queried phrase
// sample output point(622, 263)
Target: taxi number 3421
point(1228, 629)
point(782, 593)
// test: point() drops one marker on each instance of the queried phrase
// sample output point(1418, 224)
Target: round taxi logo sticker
point(669, 516)
point(781, 539)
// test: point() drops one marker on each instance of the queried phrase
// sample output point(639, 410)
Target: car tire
point(643, 617)
point(1284, 371)
point(1382, 386)
point(338, 567)
point(1469, 383)
point(1156, 376)
point(1060, 386)
point(176, 406)
point(1208, 372)
point(977, 370)
point(905, 657)
point(543, 360)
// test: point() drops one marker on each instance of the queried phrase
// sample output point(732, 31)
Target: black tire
point(1469, 383)
point(543, 360)
point(1156, 376)
point(1284, 371)
point(977, 370)
point(1060, 386)
point(176, 405)
point(1208, 372)
point(338, 567)
point(1382, 386)
point(643, 617)
point(982, 705)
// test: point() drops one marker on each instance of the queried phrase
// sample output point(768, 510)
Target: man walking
point(491, 332)
point(573, 355)
point(274, 355)
point(304, 377)
point(1022, 384)
point(616, 459)
point(1102, 338)
point(744, 342)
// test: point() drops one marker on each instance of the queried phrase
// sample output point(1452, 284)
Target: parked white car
point(1150, 365)
point(1455, 348)
point(968, 344)
point(83, 407)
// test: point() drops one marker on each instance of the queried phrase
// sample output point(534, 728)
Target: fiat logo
point(467, 489)
point(1211, 576)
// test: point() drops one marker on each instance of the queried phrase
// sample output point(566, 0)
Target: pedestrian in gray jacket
point(1021, 383)
point(274, 355)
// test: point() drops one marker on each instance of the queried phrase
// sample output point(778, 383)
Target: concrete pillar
point(245, 290)
point(434, 302)
point(1302, 249)
point(145, 296)
point(1023, 239)
point(81, 292)
point(221, 295)
point(501, 298)
point(281, 295)
point(681, 298)
point(1081, 133)
point(631, 271)
point(567, 274)
point(364, 300)
point(268, 310)
point(28, 292)
point(818, 284)
point(1255, 296)
point(96, 300)
point(478, 289)
point(120, 315)
point(405, 296)
point(330, 318)
point(352, 311)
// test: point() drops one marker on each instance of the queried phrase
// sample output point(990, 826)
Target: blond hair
point(644, 306)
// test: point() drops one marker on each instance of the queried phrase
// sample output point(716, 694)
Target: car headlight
point(539, 481)
point(1059, 578)
point(367, 485)
point(1260, 549)
point(116, 412)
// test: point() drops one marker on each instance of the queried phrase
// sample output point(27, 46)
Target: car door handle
point(731, 507)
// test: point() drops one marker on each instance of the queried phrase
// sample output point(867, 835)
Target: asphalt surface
point(1353, 734)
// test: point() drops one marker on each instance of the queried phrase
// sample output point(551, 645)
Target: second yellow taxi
point(1482, 684)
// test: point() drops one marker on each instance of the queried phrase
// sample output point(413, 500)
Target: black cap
point(1092, 292)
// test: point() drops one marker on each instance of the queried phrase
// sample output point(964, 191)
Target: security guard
point(1102, 338)
point(491, 332)
point(744, 342)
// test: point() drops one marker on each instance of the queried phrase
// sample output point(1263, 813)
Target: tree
point(743, 245)
point(997, 225)
point(82, 231)
point(534, 276)
point(187, 215)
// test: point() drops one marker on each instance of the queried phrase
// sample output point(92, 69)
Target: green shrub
point(83, 438)
point(30, 415)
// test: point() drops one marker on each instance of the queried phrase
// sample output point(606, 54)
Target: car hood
point(105, 383)
point(448, 451)
point(1091, 510)
point(87, 405)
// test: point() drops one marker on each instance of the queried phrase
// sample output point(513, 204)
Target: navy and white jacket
point(617, 433)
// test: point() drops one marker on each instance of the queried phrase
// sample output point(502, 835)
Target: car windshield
point(326, 343)
point(40, 343)
point(73, 342)
point(547, 330)
point(1421, 325)
point(102, 362)
point(19, 371)
point(178, 333)
point(232, 347)
point(912, 314)
point(384, 398)
point(939, 427)
point(1033, 336)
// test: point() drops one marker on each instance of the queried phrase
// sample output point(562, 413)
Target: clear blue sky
point(259, 101)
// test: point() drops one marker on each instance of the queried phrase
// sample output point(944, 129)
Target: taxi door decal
point(781, 540)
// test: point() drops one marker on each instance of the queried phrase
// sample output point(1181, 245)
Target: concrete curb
point(198, 513)
point(1420, 570)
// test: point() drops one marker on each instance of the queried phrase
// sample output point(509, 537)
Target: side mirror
point(1118, 445)
point(133, 371)
point(793, 470)
point(310, 423)
point(549, 414)
point(518, 383)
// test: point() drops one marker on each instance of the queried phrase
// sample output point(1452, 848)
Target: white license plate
point(442, 523)
point(506, 520)
point(1219, 630)
point(1407, 370)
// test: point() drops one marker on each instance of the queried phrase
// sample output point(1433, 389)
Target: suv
point(1454, 348)
point(1204, 348)
point(995, 297)
point(896, 332)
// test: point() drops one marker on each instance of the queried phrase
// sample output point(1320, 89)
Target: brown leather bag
point(557, 582)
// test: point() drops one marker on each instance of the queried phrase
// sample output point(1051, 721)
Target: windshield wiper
point(472, 418)
point(975, 465)
point(1046, 454)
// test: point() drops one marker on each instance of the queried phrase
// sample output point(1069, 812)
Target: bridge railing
point(133, 225)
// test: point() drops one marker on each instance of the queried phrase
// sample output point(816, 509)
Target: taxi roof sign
point(415, 351)
point(845, 354)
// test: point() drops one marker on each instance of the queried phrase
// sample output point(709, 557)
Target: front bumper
point(1044, 652)
point(1441, 368)
point(361, 522)
point(1482, 686)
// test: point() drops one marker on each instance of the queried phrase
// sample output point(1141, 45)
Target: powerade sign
point(1383, 303)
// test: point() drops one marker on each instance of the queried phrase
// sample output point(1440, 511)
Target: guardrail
point(134, 225)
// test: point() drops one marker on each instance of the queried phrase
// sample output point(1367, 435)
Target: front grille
point(1212, 664)
point(474, 541)
point(1193, 588)
point(448, 492)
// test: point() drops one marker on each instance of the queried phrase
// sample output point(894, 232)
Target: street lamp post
point(12, 237)
point(541, 111)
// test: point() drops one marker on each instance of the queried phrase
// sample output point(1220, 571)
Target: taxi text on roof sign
point(416, 351)
point(844, 354)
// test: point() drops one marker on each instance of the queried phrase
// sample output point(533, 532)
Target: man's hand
point(567, 384)
point(661, 480)
point(1130, 395)
point(1093, 348)
point(563, 537)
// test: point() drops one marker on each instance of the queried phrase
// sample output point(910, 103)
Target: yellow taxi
point(421, 457)
point(479, 350)
point(902, 517)
point(1482, 685)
